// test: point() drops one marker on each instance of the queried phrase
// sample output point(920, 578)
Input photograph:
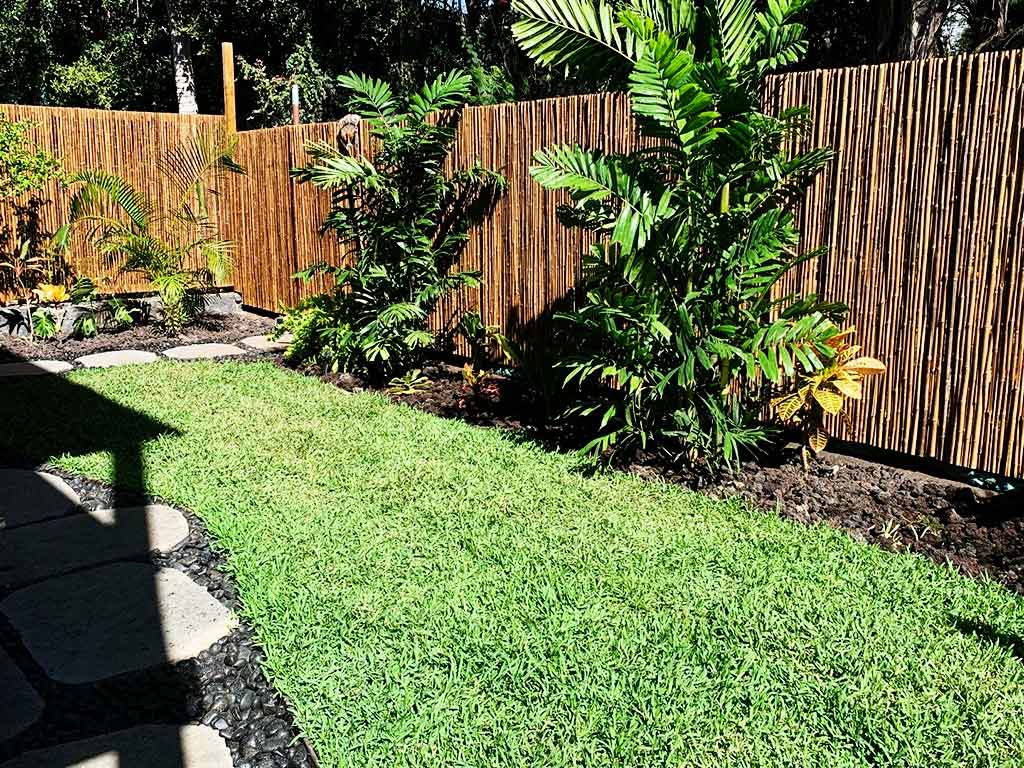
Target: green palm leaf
point(667, 99)
point(582, 34)
point(736, 22)
point(99, 191)
point(451, 89)
point(370, 96)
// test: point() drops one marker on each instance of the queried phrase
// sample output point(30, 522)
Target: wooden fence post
point(227, 54)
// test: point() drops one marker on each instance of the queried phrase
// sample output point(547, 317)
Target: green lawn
point(434, 594)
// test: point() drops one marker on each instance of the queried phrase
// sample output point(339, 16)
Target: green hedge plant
point(677, 328)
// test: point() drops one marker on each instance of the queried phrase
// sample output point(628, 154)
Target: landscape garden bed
point(432, 593)
point(229, 328)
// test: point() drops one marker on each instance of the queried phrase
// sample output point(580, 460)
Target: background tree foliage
point(117, 53)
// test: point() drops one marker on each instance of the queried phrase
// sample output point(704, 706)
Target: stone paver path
point(34, 368)
point(31, 553)
point(117, 357)
point(94, 624)
point(263, 344)
point(203, 351)
point(29, 497)
point(87, 606)
point(20, 705)
point(149, 746)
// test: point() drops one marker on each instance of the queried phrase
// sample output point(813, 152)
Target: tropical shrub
point(25, 169)
point(405, 220)
point(676, 326)
point(824, 392)
point(136, 235)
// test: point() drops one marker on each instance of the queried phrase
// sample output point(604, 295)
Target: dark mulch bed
point(150, 338)
point(224, 688)
point(979, 532)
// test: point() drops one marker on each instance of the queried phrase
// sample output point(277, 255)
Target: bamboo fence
point(922, 211)
point(129, 144)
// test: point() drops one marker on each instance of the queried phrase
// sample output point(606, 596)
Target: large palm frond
point(736, 26)
point(678, 18)
point(583, 34)
point(667, 99)
point(451, 89)
point(370, 96)
point(333, 169)
point(197, 164)
point(102, 194)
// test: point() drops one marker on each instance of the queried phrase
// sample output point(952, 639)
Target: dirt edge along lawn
point(431, 593)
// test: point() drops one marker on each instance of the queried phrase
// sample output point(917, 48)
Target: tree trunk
point(181, 56)
point(910, 29)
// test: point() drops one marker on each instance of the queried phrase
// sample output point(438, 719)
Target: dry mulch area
point(227, 329)
point(978, 531)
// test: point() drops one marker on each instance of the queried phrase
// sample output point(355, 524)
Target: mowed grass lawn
point(433, 594)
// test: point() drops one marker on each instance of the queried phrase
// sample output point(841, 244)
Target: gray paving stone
point(20, 705)
point(94, 624)
point(152, 746)
point(34, 368)
point(35, 552)
point(264, 344)
point(203, 351)
point(117, 357)
point(28, 497)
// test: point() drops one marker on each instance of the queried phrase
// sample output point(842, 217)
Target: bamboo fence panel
point(922, 213)
point(126, 143)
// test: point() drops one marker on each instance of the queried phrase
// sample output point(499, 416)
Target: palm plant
point(406, 219)
point(164, 244)
point(679, 322)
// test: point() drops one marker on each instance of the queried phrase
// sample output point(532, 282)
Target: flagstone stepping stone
point(94, 624)
point(34, 552)
point(153, 746)
point(28, 497)
point(117, 357)
point(20, 705)
point(264, 344)
point(203, 351)
point(34, 368)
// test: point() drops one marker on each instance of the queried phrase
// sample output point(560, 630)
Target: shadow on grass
point(988, 633)
point(85, 691)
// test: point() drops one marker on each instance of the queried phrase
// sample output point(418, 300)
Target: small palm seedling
point(824, 393)
point(176, 248)
point(410, 383)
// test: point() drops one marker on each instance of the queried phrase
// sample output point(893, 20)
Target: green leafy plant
point(406, 220)
point(813, 396)
point(44, 324)
point(163, 244)
point(25, 169)
point(86, 326)
point(678, 322)
point(409, 383)
point(122, 313)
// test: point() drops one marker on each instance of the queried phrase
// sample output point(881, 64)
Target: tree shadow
point(108, 675)
point(988, 633)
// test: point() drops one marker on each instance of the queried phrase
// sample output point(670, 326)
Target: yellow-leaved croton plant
point(825, 392)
